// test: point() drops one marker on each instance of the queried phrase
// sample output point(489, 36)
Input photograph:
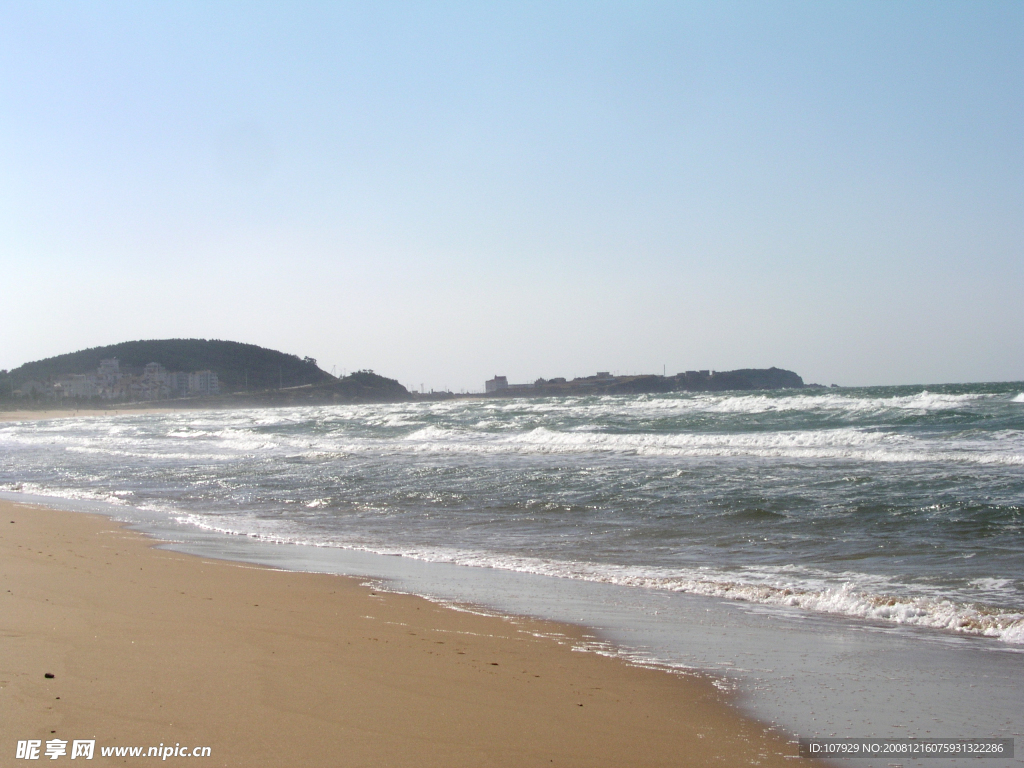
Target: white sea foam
point(504, 412)
point(732, 403)
point(1004, 447)
point(804, 589)
point(275, 443)
point(923, 401)
point(113, 451)
point(843, 443)
point(119, 498)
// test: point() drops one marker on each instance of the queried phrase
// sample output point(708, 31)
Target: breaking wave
point(844, 598)
point(847, 443)
point(923, 488)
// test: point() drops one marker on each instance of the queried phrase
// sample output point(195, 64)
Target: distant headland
point(202, 372)
point(215, 373)
point(605, 383)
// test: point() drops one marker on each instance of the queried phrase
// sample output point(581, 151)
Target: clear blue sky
point(444, 192)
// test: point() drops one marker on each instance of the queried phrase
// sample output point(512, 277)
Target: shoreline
point(271, 667)
point(801, 672)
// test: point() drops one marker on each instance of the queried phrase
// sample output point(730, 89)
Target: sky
point(444, 192)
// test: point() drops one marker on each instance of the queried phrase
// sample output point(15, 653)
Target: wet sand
point(273, 668)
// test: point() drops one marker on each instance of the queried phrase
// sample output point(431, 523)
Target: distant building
point(109, 379)
point(110, 383)
point(154, 372)
point(497, 384)
point(33, 388)
point(154, 385)
point(82, 386)
point(109, 370)
point(179, 382)
point(203, 383)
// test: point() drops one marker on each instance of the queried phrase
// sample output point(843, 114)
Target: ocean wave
point(119, 498)
point(491, 413)
point(760, 403)
point(848, 598)
point(843, 443)
point(111, 451)
point(732, 403)
point(358, 464)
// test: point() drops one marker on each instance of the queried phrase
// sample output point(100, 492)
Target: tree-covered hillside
point(357, 387)
point(239, 367)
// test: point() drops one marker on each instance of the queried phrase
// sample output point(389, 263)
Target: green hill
point(239, 367)
point(249, 375)
point(357, 387)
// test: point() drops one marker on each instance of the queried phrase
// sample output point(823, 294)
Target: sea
point(846, 562)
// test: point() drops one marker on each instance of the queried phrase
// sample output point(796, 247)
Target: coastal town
point(218, 372)
point(110, 382)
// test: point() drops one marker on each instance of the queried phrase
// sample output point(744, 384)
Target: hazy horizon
point(443, 193)
point(342, 372)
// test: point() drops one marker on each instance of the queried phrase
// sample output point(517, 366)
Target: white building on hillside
point(203, 383)
point(154, 385)
point(110, 383)
point(81, 386)
point(109, 379)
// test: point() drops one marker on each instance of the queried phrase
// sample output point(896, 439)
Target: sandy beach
point(266, 667)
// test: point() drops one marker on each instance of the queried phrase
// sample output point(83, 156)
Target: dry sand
point(50, 413)
point(272, 668)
